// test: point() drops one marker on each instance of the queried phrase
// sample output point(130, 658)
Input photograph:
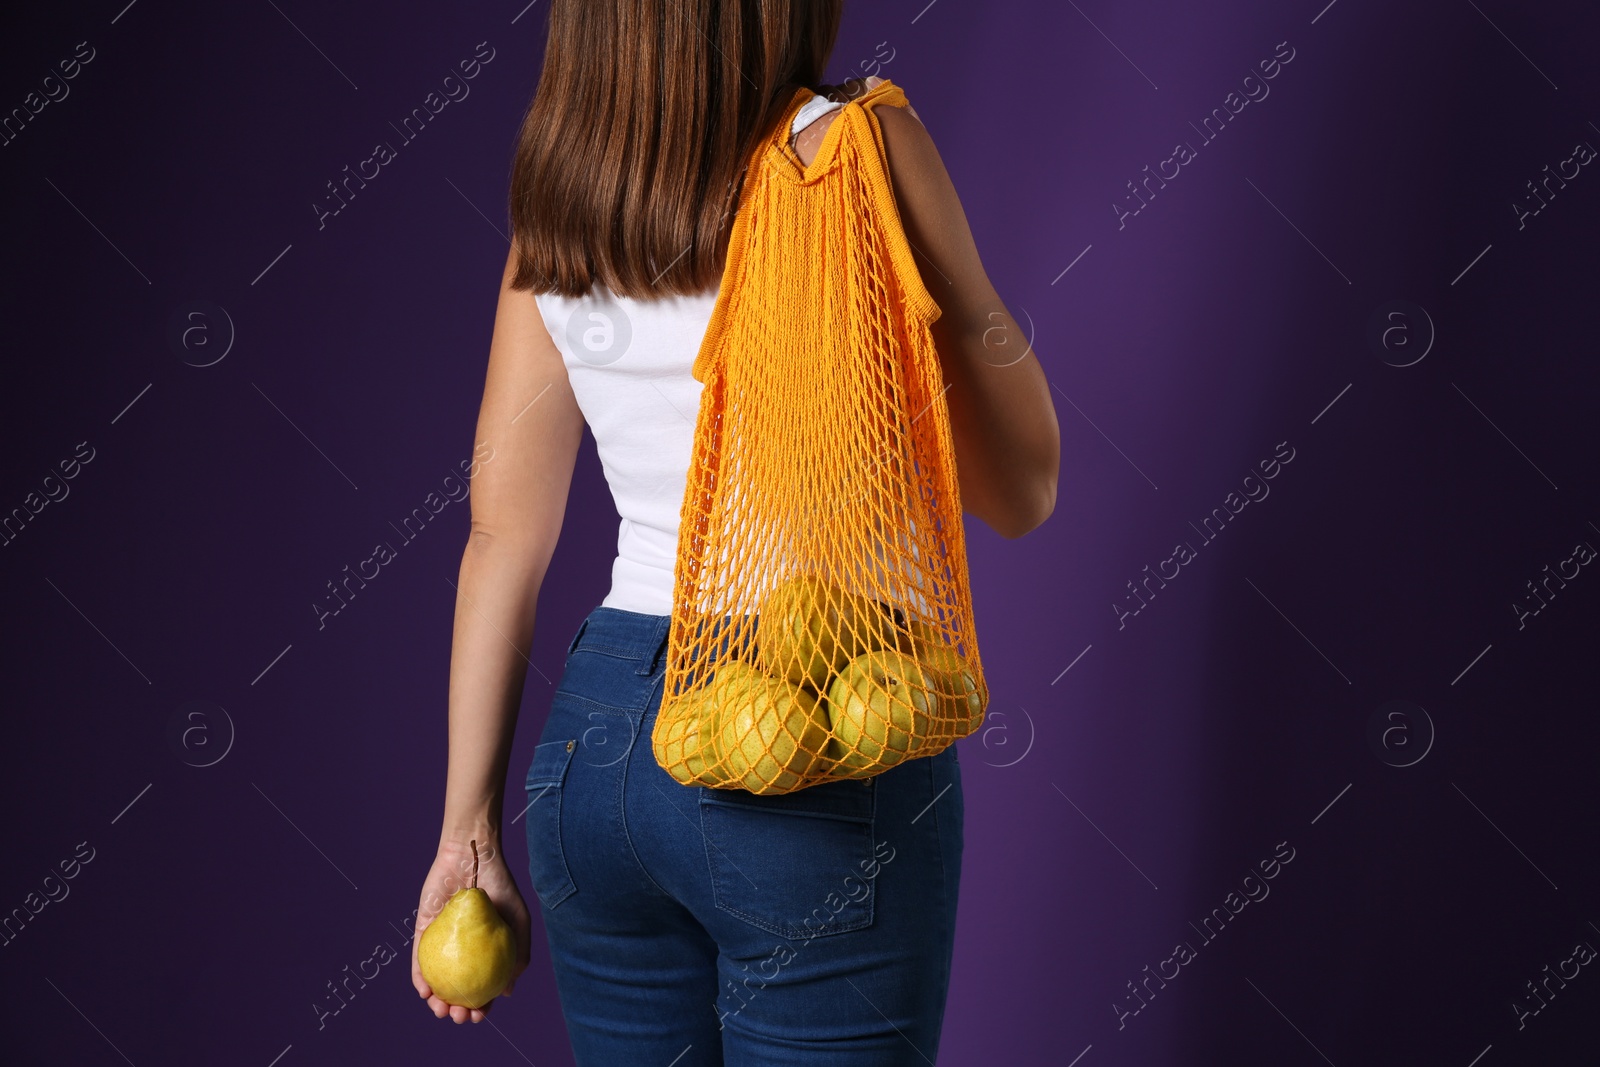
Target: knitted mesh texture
point(822, 623)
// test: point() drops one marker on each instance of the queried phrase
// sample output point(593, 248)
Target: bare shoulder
point(914, 160)
point(809, 139)
point(934, 220)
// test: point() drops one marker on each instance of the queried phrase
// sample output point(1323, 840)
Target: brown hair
point(631, 156)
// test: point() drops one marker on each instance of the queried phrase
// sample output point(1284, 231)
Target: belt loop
point(659, 646)
point(572, 646)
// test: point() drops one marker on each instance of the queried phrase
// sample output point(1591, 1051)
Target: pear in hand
point(467, 952)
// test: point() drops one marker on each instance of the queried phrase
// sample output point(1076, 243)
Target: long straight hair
point(632, 153)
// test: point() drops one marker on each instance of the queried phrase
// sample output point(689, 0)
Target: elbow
point(514, 553)
point(1030, 513)
point(1034, 498)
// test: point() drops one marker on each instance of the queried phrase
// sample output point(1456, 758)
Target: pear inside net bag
point(822, 622)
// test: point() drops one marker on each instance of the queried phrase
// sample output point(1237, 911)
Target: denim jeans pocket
point(799, 865)
point(547, 863)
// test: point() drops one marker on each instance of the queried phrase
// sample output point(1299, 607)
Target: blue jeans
point(698, 927)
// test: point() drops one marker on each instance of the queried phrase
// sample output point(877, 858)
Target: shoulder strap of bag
point(777, 177)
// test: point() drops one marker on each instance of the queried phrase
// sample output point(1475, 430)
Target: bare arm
point(1008, 444)
point(518, 498)
point(1007, 441)
point(529, 429)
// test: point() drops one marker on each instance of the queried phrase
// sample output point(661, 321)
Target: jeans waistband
point(643, 638)
point(632, 634)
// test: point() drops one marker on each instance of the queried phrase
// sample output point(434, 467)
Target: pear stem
point(474, 844)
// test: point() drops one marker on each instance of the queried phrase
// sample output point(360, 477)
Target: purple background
point(1110, 807)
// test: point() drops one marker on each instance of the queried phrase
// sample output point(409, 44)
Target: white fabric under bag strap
point(812, 110)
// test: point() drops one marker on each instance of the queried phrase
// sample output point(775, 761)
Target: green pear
point(686, 746)
point(880, 708)
point(770, 731)
point(962, 694)
point(467, 952)
point(809, 629)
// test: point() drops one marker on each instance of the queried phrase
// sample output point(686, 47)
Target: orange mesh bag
point(822, 622)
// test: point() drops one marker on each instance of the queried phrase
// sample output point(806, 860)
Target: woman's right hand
point(452, 869)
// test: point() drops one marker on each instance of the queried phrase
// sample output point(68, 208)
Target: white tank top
point(629, 363)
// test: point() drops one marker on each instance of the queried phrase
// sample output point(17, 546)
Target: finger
point(439, 1007)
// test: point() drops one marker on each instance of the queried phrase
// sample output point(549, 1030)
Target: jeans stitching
point(622, 793)
point(792, 931)
point(550, 786)
point(610, 650)
point(611, 709)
